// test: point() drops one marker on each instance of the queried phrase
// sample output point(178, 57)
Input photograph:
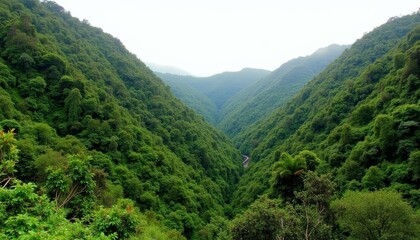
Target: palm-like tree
point(286, 176)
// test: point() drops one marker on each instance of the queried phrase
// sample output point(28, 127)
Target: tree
point(286, 176)
point(363, 114)
point(310, 158)
point(373, 179)
point(51, 59)
point(8, 157)
point(376, 215)
point(72, 185)
point(262, 220)
point(121, 221)
point(25, 61)
point(73, 105)
point(315, 199)
point(6, 107)
point(37, 86)
point(384, 131)
point(9, 124)
point(414, 163)
point(218, 228)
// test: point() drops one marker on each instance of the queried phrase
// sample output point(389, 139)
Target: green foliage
point(218, 228)
point(258, 100)
point(8, 157)
point(363, 114)
point(120, 221)
point(360, 114)
point(23, 211)
point(313, 212)
point(318, 190)
point(71, 91)
point(376, 215)
point(414, 162)
point(373, 179)
point(6, 77)
point(9, 124)
point(50, 60)
point(262, 220)
point(6, 107)
point(286, 176)
point(73, 185)
point(37, 86)
point(43, 133)
point(192, 97)
point(27, 214)
point(384, 131)
point(72, 105)
point(208, 95)
point(310, 158)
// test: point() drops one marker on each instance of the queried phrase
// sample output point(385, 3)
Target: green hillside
point(191, 96)
point(360, 116)
point(218, 88)
point(261, 98)
point(109, 148)
point(94, 145)
point(341, 159)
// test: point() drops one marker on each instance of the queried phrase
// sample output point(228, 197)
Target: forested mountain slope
point(360, 116)
point(218, 88)
point(95, 126)
point(192, 97)
point(261, 98)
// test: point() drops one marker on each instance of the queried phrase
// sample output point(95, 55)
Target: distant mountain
point(218, 88)
point(195, 99)
point(261, 98)
point(167, 69)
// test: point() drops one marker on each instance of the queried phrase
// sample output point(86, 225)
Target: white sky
point(205, 37)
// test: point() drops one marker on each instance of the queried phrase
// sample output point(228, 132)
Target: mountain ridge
point(218, 88)
point(80, 101)
point(155, 67)
point(313, 119)
point(258, 100)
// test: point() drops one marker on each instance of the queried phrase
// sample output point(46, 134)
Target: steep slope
point(69, 88)
point(220, 87)
point(261, 98)
point(191, 96)
point(360, 115)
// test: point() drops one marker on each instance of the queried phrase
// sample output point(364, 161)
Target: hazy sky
point(205, 37)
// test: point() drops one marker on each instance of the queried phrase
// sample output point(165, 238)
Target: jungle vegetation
point(93, 145)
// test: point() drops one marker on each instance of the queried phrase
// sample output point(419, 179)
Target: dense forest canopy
point(71, 91)
point(93, 145)
point(261, 98)
point(351, 133)
point(359, 116)
point(233, 101)
point(209, 95)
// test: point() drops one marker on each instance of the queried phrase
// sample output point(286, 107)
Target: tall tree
point(286, 176)
point(376, 215)
point(261, 221)
point(73, 107)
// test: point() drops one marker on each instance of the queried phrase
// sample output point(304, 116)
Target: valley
point(209, 95)
point(96, 145)
point(234, 101)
